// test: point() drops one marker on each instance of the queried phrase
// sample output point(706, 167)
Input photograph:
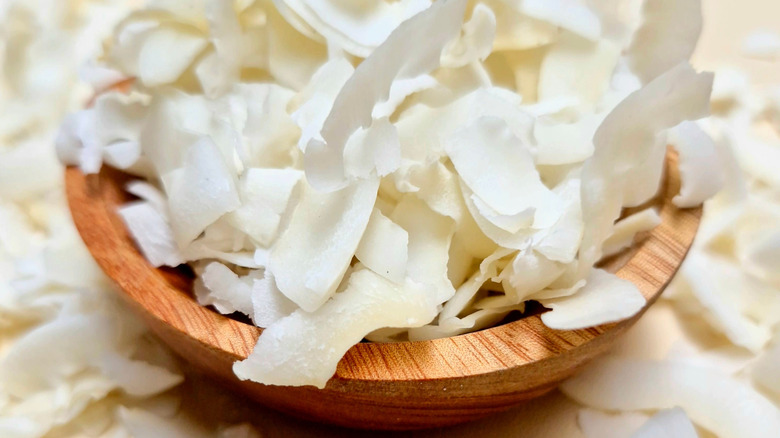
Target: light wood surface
point(398, 386)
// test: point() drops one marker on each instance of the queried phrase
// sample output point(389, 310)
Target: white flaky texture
point(397, 169)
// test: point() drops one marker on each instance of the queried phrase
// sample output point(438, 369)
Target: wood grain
point(407, 385)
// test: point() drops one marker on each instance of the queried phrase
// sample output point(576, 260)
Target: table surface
point(727, 23)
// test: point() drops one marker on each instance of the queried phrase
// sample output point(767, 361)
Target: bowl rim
point(650, 265)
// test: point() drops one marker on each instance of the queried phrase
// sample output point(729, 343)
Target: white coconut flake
point(625, 230)
point(166, 53)
point(669, 423)
point(700, 162)
point(201, 192)
point(571, 15)
point(332, 225)
point(411, 50)
point(597, 424)
point(708, 397)
point(374, 149)
point(283, 353)
point(268, 303)
point(476, 42)
point(227, 292)
point(763, 44)
point(152, 232)
point(668, 35)
point(586, 307)
point(384, 247)
point(512, 186)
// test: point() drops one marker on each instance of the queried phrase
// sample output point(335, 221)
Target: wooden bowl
point(408, 385)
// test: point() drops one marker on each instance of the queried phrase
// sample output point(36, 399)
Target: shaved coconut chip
point(166, 53)
point(292, 57)
point(512, 171)
point(597, 424)
point(625, 230)
point(699, 165)
point(400, 90)
point(357, 30)
point(717, 293)
point(226, 291)
point(456, 326)
point(766, 370)
point(577, 67)
point(142, 423)
point(304, 348)
point(332, 225)
point(430, 235)
point(475, 43)
point(268, 303)
point(201, 192)
point(565, 143)
point(561, 241)
point(412, 49)
point(669, 423)
point(384, 248)
point(678, 95)
point(268, 130)
point(763, 44)
point(318, 96)
point(644, 182)
point(668, 36)
point(515, 31)
point(571, 15)
point(138, 378)
point(529, 272)
point(218, 75)
point(265, 195)
point(466, 292)
point(586, 307)
point(706, 396)
point(152, 232)
point(376, 148)
point(760, 255)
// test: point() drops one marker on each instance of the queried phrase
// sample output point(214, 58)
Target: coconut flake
point(201, 192)
point(586, 307)
point(268, 303)
point(577, 67)
point(376, 148)
point(226, 291)
point(152, 232)
point(265, 195)
point(625, 230)
point(668, 35)
point(304, 348)
point(706, 396)
point(669, 423)
point(332, 225)
point(475, 43)
point(699, 165)
point(571, 15)
point(597, 424)
point(513, 185)
point(384, 247)
point(411, 50)
point(166, 53)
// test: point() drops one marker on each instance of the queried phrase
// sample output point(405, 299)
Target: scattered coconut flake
point(597, 424)
point(152, 232)
point(332, 225)
point(475, 43)
point(227, 292)
point(166, 53)
point(374, 149)
point(668, 423)
point(708, 397)
point(699, 165)
point(668, 35)
point(586, 309)
point(762, 44)
point(268, 303)
point(283, 354)
point(625, 230)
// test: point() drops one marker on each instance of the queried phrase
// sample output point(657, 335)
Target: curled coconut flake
point(476, 42)
point(669, 423)
point(400, 90)
point(706, 396)
point(513, 185)
point(200, 192)
point(227, 292)
point(668, 35)
point(356, 29)
point(283, 353)
point(700, 165)
point(384, 247)
point(766, 370)
point(268, 303)
point(586, 308)
point(571, 15)
point(265, 195)
point(597, 424)
point(165, 54)
point(152, 232)
point(332, 225)
point(376, 148)
point(411, 50)
point(625, 230)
